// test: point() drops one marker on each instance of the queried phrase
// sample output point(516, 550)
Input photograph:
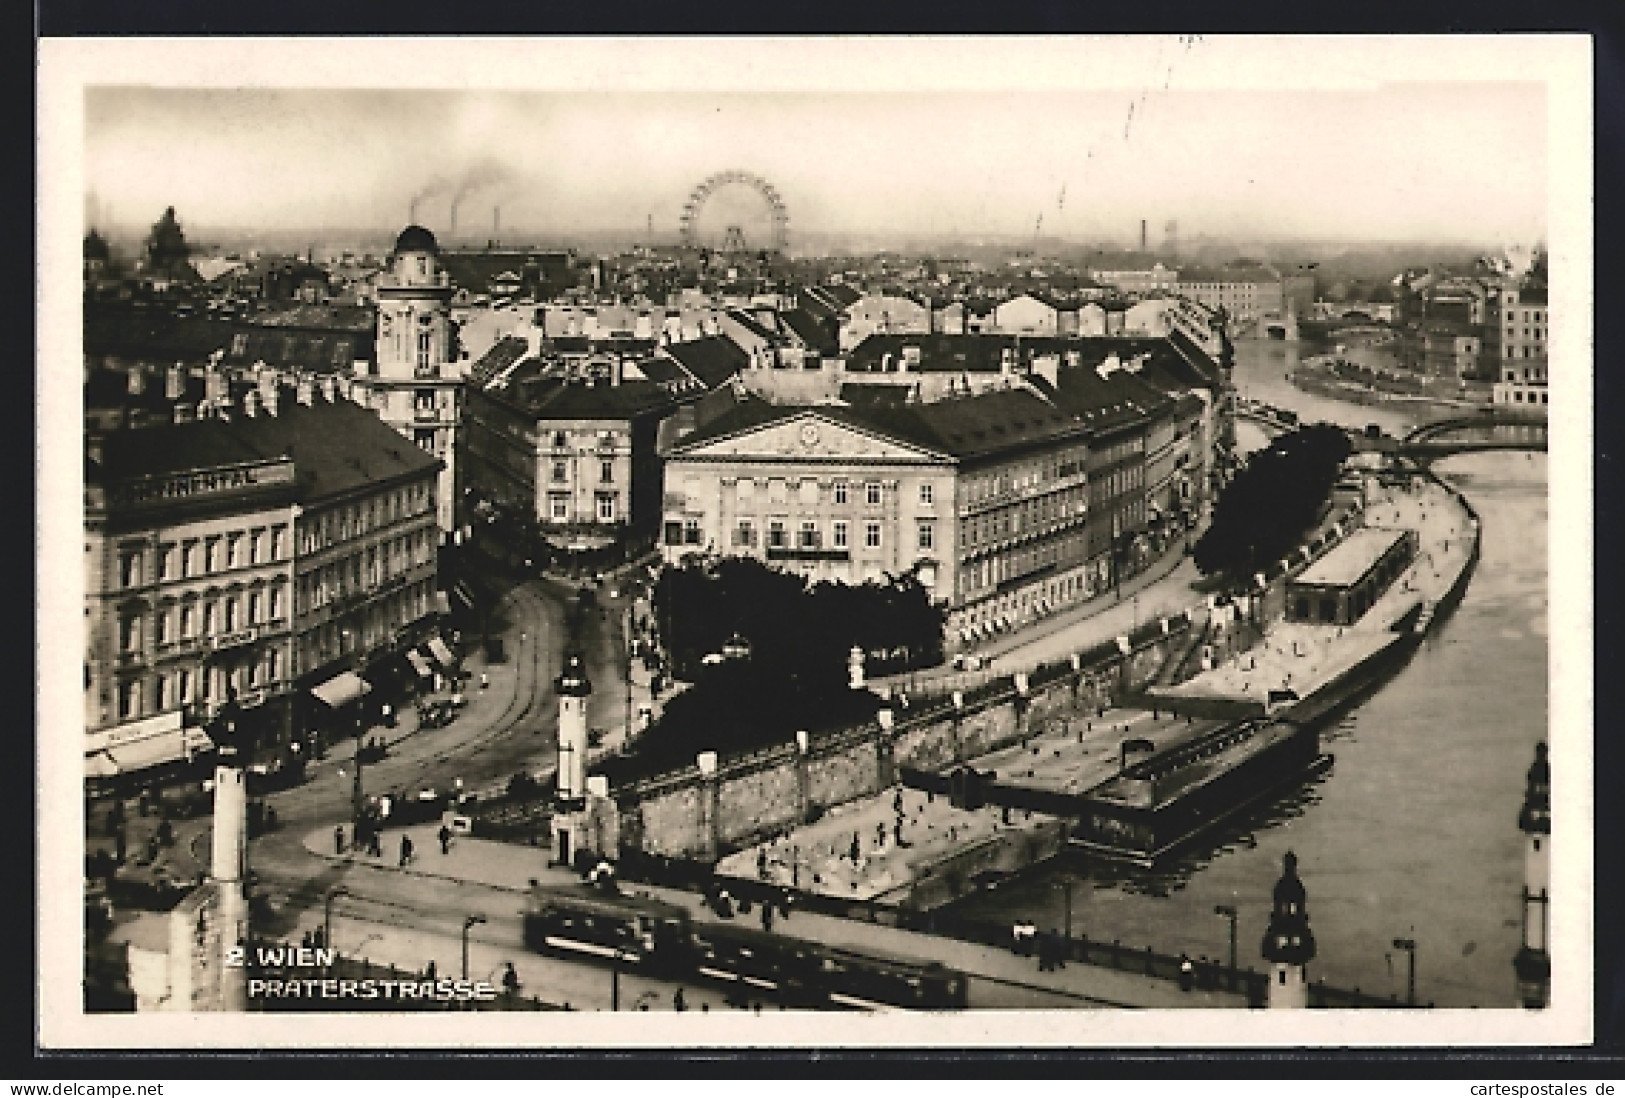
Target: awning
point(100, 765)
point(144, 753)
point(419, 662)
point(341, 689)
point(442, 652)
point(195, 738)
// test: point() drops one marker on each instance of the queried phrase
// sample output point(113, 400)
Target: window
point(775, 534)
point(212, 555)
point(927, 492)
point(840, 491)
point(273, 665)
point(129, 569)
point(166, 693)
point(808, 490)
point(255, 605)
point(839, 535)
point(424, 439)
point(745, 535)
point(871, 535)
point(423, 401)
point(188, 622)
point(183, 687)
point(691, 531)
point(229, 615)
point(168, 558)
point(606, 472)
point(558, 507)
point(871, 493)
point(606, 508)
point(560, 440)
point(776, 491)
point(560, 473)
point(160, 627)
point(129, 700)
point(674, 533)
point(234, 551)
point(809, 535)
point(927, 535)
point(129, 634)
point(256, 547)
point(275, 604)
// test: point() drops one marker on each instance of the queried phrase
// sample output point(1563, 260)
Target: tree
point(1272, 502)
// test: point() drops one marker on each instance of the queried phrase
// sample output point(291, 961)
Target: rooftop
point(1351, 560)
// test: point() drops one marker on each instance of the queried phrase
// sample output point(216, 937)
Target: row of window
point(209, 618)
point(366, 570)
point(606, 472)
point(1512, 332)
point(1012, 520)
point(342, 524)
point(186, 686)
point(811, 536)
point(807, 492)
point(205, 556)
point(558, 506)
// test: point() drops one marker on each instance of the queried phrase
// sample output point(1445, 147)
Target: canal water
point(1413, 831)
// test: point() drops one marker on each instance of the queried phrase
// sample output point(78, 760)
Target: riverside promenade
point(482, 865)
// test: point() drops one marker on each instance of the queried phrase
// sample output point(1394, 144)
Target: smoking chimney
point(1142, 234)
point(496, 224)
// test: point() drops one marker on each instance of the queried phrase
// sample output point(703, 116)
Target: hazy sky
point(1393, 160)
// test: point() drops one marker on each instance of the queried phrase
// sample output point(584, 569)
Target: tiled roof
point(346, 318)
point(503, 353)
point(710, 359)
point(152, 334)
point(557, 398)
point(806, 326)
point(336, 447)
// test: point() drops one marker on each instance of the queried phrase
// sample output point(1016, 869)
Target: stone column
point(710, 817)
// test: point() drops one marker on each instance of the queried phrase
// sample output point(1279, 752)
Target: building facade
point(189, 577)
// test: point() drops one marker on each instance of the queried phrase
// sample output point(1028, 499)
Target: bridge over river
point(1489, 428)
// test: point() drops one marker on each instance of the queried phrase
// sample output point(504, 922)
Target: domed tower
point(1289, 945)
point(416, 386)
point(1532, 963)
point(569, 821)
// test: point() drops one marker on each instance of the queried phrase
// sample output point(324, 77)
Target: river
point(1413, 832)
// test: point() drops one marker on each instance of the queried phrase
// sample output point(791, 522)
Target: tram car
point(876, 981)
point(780, 968)
point(584, 921)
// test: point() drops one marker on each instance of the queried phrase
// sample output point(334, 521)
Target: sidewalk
point(500, 865)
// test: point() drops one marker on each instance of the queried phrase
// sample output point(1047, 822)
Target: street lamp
point(468, 922)
point(1228, 911)
point(615, 978)
point(1409, 946)
point(327, 913)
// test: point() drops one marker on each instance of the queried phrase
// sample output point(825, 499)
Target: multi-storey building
point(578, 454)
point(987, 498)
point(188, 594)
point(249, 554)
point(415, 385)
point(1155, 278)
point(1243, 294)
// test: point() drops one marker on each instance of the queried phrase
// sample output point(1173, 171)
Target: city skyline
point(1388, 159)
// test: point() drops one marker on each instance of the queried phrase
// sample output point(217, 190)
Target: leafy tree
point(1272, 502)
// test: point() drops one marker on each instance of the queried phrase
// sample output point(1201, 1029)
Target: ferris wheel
point(736, 211)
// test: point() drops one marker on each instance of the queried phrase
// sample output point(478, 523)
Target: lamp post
point(615, 979)
point(468, 922)
point(1409, 946)
point(1228, 911)
point(1066, 893)
point(327, 913)
point(626, 639)
point(357, 798)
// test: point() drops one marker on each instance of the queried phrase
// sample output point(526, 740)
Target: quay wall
point(689, 814)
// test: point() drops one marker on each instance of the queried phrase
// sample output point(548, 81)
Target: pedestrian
point(678, 1003)
point(376, 843)
point(406, 849)
point(510, 980)
point(761, 864)
point(485, 680)
point(445, 839)
point(429, 970)
point(338, 839)
point(1187, 973)
point(857, 847)
point(767, 917)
